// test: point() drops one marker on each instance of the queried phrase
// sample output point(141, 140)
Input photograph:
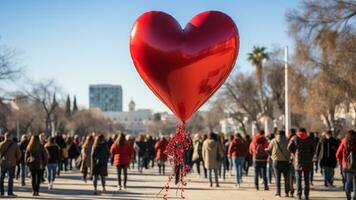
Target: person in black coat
point(99, 162)
point(59, 140)
point(327, 154)
point(150, 151)
point(22, 164)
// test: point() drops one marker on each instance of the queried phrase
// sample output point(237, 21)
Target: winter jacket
point(258, 140)
point(342, 153)
point(73, 150)
point(160, 147)
point(122, 154)
point(327, 154)
point(141, 148)
point(151, 147)
point(303, 148)
point(237, 148)
point(212, 154)
point(278, 148)
point(54, 154)
point(23, 145)
point(86, 157)
point(197, 151)
point(12, 154)
point(40, 159)
point(99, 160)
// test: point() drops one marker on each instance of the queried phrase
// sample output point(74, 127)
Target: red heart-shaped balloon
point(184, 67)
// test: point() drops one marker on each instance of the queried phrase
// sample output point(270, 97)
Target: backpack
point(260, 153)
point(351, 161)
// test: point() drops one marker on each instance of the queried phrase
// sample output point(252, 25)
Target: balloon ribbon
point(175, 151)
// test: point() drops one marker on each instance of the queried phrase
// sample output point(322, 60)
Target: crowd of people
point(296, 156)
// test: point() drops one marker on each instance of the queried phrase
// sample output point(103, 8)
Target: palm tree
point(256, 58)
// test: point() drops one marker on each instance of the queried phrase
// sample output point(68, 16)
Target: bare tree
point(324, 32)
point(45, 93)
point(315, 15)
point(9, 69)
point(242, 98)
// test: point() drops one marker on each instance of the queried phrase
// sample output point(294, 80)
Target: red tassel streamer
point(176, 147)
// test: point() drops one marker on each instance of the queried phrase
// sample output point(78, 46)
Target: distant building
point(133, 120)
point(106, 97)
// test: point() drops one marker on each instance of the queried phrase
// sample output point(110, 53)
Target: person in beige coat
point(212, 154)
point(9, 154)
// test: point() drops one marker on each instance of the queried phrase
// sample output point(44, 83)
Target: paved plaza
point(147, 185)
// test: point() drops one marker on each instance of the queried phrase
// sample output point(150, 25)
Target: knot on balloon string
point(177, 146)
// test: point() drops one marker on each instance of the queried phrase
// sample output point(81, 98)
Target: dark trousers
point(36, 178)
point(215, 175)
point(95, 181)
point(260, 170)
point(350, 185)
point(161, 166)
point(205, 171)
point(282, 168)
point(11, 174)
point(306, 174)
point(197, 163)
point(120, 169)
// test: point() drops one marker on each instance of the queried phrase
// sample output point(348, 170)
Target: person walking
point(150, 150)
point(270, 171)
point(62, 145)
point(238, 154)
point(85, 156)
point(257, 149)
point(22, 145)
point(54, 155)
point(346, 155)
point(281, 161)
point(248, 157)
point(121, 151)
point(36, 158)
point(292, 132)
point(303, 148)
point(161, 157)
point(212, 154)
point(73, 151)
point(99, 162)
point(141, 152)
point(223, 162)
point(327, 155)
point(197, 157)
point(9, 154)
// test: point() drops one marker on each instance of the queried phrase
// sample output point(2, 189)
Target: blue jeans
point(11, 174)
point(51, 172)
point(140, 163)
point(238, 163)
point(231, 163)
point(350, 184)
point(260, 170)
point(23, 172)
point(328, 176)
point(270, 171)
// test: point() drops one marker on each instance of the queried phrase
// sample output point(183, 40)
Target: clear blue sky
point(82, 42)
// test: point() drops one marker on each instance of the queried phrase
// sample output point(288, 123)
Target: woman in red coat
point(121, 151)
point(348, 146)
point(161, 157)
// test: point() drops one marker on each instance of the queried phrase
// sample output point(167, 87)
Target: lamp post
point(287, 112)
